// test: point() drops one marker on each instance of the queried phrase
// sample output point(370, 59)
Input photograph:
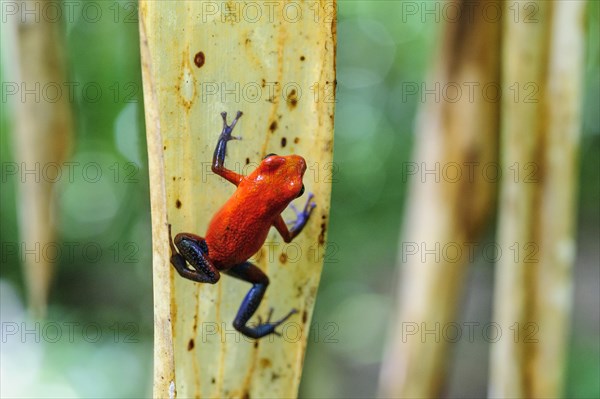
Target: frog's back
point(238, 230)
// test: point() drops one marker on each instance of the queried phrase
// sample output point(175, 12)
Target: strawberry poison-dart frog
point(240, 227)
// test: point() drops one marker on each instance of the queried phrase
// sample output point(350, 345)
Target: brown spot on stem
point(247, 161)
point(178, 204)
point(191, 344)
point(292, 99)
point(265, 363)
point(296, 140)
point(302, 58)
point(304, 317)
point(199, 59)
point(283, 258)
point(273, 126)
point(322, 234)
point(283, 142)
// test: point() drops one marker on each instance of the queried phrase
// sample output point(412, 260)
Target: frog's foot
point(218, 163)
point(303, 215)
point(268, 327)
point(227, 129)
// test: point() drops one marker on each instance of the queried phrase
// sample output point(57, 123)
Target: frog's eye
point(301, 192)
point(268, 155)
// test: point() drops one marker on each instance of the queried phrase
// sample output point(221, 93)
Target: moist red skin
point(239, 229)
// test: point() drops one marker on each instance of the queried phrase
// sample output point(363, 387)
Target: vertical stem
point(164, 367)
point(444, 210)
point(42, 135)
point(540, 138)
point(557, 220)
point(524, 54)
point(200, 58)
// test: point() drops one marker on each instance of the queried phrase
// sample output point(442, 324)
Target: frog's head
point(284, 173)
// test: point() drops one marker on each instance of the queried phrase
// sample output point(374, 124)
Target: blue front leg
point(301, 220)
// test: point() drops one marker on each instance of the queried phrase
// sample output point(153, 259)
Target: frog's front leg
point(297, 226)
point(192, 249)
point(252, 274)
point(218, 164)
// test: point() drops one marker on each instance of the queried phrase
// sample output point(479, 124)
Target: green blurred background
point(105, 285)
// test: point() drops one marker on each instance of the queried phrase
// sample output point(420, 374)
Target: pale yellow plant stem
point(277, 66)
point(458, 134)
point(34, 60)
point(540, 137)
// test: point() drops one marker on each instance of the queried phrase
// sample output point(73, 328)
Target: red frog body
point(239, 229)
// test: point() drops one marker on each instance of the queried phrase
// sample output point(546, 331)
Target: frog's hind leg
point(259, 280)
point(193, 249)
